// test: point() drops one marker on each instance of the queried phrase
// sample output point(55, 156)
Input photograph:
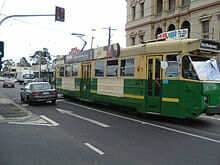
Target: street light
point(92, 38)
point(80, 35)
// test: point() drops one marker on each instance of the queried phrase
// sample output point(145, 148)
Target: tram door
point(85, 82)
point(154, 89)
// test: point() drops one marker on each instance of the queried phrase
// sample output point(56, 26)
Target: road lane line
point(108, 113)
point(49, 120)
point(82, 118)
point(209, 117)
point(94, 149)
point(150, 124)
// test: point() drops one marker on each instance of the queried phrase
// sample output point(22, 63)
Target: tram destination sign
point(210, 45)
point(79, 57)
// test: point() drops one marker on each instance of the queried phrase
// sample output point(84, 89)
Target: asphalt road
point(77, 133)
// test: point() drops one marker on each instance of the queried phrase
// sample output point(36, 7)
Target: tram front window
point(200, 68)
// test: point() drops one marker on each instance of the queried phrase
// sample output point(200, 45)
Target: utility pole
point(109, 34)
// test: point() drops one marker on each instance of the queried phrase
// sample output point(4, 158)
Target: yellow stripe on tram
point(173, 100)
point(134, 96)
point(93, 91)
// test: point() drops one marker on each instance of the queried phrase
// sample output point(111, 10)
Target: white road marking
point(83, 118)
point(150, 124)
point(94, 149)
point(209, 117)
point(42, 121)
point(60, 100)
point(108, 113)
point(49, 120)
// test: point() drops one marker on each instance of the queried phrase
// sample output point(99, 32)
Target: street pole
point(25, 15)
point(109, 34)
point(92, 41)
point(40, 69)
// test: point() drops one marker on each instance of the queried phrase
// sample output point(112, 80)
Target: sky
point(24, 36)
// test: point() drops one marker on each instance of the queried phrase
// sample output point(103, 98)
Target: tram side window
point(187, 69)
point(62, 71)
point(68, 70)
point(99, 68)
point(127, 67)
point(172, 69)
point(112, 68)
point(75, 70)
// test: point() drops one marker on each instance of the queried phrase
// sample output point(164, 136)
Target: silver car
point(8, 82)
point(38, 92)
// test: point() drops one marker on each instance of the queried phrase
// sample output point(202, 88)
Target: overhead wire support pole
point(109, 34)
point(25, 15)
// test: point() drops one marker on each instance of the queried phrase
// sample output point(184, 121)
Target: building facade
point(147, 18)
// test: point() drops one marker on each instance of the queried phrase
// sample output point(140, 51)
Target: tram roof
point(165, 46)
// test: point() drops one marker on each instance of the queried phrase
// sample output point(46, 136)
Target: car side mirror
point(22, 88)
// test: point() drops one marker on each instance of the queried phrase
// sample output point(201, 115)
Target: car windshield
point(28, 76)
point(41, 86)
point(206, 68)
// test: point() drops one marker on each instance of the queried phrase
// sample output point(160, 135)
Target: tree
point(41, 57)
point(8, 64)
point(23, 62)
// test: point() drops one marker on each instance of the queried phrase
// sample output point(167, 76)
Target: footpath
point(9, 110)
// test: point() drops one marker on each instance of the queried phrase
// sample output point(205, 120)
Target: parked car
point(38, 92)
point(9, 82)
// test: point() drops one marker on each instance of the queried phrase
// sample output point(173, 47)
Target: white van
point(24, 76)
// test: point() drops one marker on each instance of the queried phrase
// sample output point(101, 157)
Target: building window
point(159, 7)
point(75, 69)
point(133, 12)
point(112, 68)
point(99, 68)
point(158, 31)
point(205, 29)
point(68, 70)
point(142, 9)
point(172, 5)
point(127, 67)
point(132, 40)
point(186, 25)
point(171, 27)
point(141, 38)
point(186, 3)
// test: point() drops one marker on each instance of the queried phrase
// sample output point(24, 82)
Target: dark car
point(38, 92)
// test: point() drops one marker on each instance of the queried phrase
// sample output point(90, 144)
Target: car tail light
point(35, 93)
point(54, 93)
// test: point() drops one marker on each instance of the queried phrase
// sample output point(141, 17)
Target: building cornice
point(174, 16)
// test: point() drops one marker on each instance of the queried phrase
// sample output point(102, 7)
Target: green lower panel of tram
point(180, 99)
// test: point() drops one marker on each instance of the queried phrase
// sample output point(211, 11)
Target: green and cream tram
point(175, 78)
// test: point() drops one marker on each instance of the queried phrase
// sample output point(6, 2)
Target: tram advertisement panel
point(81, 56)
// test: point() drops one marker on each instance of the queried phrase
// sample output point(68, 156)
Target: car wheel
point(28, 101)
point(53, 102)
point(22, 99)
